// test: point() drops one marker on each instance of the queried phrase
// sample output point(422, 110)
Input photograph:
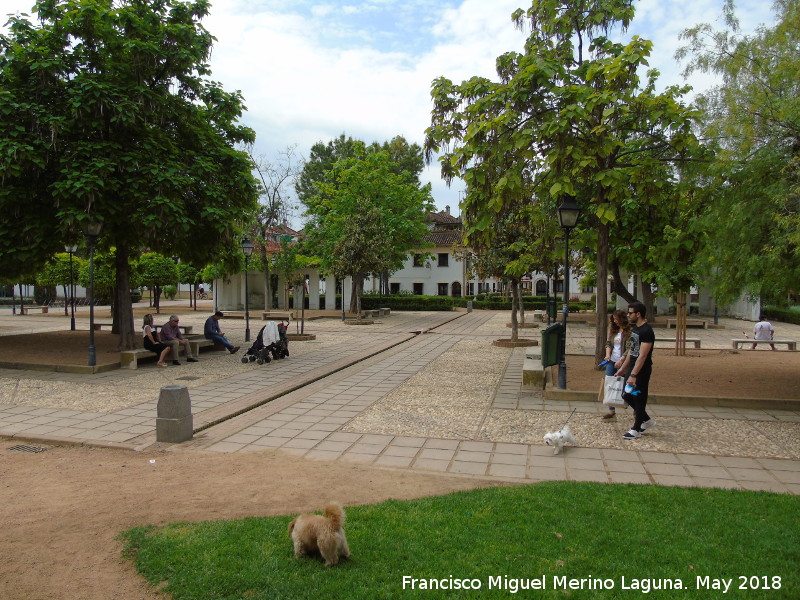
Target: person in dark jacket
point(211, 331)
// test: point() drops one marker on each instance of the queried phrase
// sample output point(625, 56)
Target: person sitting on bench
point(211, 331)
point(151, 342)
point(171, 335)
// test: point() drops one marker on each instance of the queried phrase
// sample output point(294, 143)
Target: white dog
point(559, 438)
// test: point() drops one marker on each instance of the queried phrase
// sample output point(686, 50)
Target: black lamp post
point(91, 229)
point(568, 214)
point(71, 250)
point(247, 248)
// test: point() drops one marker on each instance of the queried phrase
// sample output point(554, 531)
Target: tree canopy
point(365, 217)
point(569, 116)
point(752, 194)
point(109, 115)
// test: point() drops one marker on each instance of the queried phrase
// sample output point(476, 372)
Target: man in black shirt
point(638, 367)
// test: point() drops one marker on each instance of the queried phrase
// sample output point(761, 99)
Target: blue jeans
point(610, 368)
point(220, 340)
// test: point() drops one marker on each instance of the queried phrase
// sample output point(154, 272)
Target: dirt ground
point(61, 510)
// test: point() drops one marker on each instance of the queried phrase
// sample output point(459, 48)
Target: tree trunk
point(514, 308)
point(601, 303)
point(267, 285)
point(520, 304)
point(21, 301)
point(355, 301)
point(618, 287)
point(114, 302)
point(66, 301)
point(157, 296)
point(123, 309)
point(648, 300)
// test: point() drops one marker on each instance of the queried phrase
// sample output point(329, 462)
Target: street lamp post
point(247, 248)
point(71, 250)
point(568, 214)
point(91, 229)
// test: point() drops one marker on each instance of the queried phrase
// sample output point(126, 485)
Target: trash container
point(551, 308)
point(551, 344)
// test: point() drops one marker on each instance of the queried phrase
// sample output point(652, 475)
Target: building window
point(587, 289)
point(444, 258)
point(418, 260)
point(418, 289)
point(394, 288)
point(559, 285)
point(470, 289)
point(442, 289)
point(541, 288)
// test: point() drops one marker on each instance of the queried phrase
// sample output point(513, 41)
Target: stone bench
point(277, 315)
point(185, 329)
point(790, 344)
point(689, 323)
point(695, 341)
point(26, 310)
point(386, 311)
point(129, 359)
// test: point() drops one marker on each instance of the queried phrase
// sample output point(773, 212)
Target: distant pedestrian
point(638, 366)
point(763, 331)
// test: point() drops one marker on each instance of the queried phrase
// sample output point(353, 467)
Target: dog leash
point(569, 417)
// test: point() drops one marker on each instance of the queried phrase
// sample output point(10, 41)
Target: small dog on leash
point(557, 439)
point(312, 533)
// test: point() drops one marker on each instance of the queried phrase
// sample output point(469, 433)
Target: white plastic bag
point(613, 391)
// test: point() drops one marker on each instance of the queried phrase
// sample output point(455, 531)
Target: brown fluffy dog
point(324, 533)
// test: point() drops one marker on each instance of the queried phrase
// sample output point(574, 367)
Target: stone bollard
point(469, 306)
point(174, 415)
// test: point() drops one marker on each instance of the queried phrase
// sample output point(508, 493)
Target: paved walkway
point(304, 406)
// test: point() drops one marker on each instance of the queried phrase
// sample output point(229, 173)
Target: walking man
point(638, 367)
point(211, 331)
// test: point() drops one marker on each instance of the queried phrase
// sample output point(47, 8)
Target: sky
point(310, 70)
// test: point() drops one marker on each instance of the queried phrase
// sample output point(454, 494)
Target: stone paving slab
point(317, 399)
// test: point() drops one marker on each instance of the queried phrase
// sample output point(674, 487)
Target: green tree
point(575, 115)
point(273, 208)
point(365, 218)
point(189, 275)
point(57, 272)
point(156, 271)
point(752, 215)
point(115, 120)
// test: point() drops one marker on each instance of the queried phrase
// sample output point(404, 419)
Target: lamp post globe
point(568, 214)
point(247, 250)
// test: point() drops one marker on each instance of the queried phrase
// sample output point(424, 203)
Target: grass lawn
point(620, 539)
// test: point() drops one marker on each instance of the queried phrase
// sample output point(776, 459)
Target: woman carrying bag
point(617, 345)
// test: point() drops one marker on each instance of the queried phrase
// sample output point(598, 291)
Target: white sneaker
point(631, 435)
point(648, 424)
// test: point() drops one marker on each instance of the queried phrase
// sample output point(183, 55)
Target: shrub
point(784, 315)
point(170, 291)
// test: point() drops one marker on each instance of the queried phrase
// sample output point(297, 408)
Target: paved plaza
point(341, 398)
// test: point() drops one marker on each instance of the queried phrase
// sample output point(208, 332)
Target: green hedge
point(494, 302)
point(370, 302)
point(784, 315)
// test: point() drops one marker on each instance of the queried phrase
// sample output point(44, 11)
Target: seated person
point(151, 341)
point(172, 336)
point(211, 331)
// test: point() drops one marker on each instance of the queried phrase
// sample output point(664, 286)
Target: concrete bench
point(689, 323)
point(277, 315)
point(790, 344)
point(130, 359)
point(185, 329)
point(25, 310)
point(695, 341)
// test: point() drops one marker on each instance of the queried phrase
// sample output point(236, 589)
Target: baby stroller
point(272, 339)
